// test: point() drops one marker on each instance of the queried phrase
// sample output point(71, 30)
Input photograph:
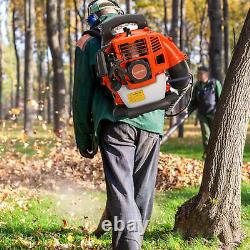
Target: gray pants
point(130, 160)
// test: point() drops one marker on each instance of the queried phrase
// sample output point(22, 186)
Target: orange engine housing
point(158, 51)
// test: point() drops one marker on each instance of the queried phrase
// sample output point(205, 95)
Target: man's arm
point(83, 92)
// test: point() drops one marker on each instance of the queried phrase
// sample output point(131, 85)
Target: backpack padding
point(108, 26)
point(93, 32)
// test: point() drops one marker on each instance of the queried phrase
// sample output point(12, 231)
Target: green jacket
point(93, 103)
point(199, 86)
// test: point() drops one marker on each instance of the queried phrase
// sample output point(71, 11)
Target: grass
point(13, 140)
point(191, 145)
point(38, 223)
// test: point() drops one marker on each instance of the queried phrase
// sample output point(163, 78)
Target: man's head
point(98, 8)
point(203, 74)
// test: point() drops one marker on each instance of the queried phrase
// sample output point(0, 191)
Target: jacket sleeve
point(193, 103)
point(83, 92)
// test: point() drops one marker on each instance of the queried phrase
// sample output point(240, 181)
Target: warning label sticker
point(137, 96)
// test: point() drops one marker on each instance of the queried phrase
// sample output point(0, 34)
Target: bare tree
point(61, 21)
point(182, 47)
point(128, 3)
point(215, 46)
point(215, 211)
point(182, 25)
point(48, 91)
point(1, 73)
point(76, 20)
point(201, 33)
point(165, 4)
point(29, 10)
point(226, 35)
point(81, 17)
point(57, 61)
point(175, 21)
point(18, 73)
point(41, 77)
point(201, 18)
point(174, 34)
point(70, 52)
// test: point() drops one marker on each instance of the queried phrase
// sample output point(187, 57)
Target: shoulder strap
point(93, 32)
point(86, 36)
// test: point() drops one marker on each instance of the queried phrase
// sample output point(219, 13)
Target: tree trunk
point(226, 35)
point(12, 95)
point(1, 73)
point(41, 76)
point(83, 18)
point(128, 6)
point(215, 46)
point(58, 70)
point(175, 20)
point(182, 25)
point(18, 78)
point(165, 4)
point(182, 47)
point(174, 35)
point(29, 8)
point(48, 91)
point(215, 211)
point(70, 52)
point(61, 22)
point(77, 14)
point(201, 32)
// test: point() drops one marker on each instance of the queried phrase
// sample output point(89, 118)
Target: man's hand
point(88, 153)
point(91, 151)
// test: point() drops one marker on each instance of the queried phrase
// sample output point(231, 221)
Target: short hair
point(203, 69)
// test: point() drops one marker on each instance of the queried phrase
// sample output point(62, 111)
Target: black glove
point(91, 151)
point(88, 153)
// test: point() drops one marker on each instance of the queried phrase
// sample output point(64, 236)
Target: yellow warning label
point(136, 96)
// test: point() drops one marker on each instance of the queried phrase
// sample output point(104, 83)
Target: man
point(205, 98)
point(129, 147)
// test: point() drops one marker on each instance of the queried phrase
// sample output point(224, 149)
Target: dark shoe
point(99, 232)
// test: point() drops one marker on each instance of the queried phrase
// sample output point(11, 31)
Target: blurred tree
point(226, 35)
point(182, 24)
point(80, 17)
point(61, 22)
point(128, 3)
point(1, 71)
point(70, 53)
point(175, 21)
point(58, 70)
point(41, 54)
point(174, 34)
point(215, 211)
point(29, 11)
point(69, 5)
point(153, 11)
point(165, 4)
point(48, 90)
point(215, 46)
point(182, 47)
point(18, 73)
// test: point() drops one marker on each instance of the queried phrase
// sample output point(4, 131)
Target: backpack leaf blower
point(143, 69)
